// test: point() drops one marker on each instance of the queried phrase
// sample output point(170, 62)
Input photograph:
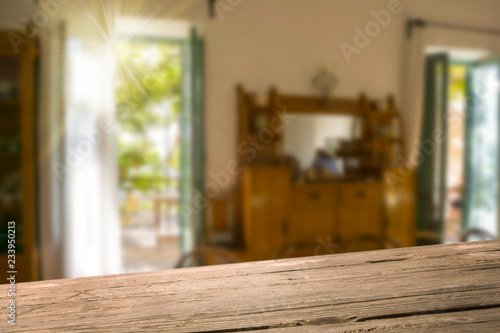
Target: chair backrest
point(370, 242)
point(204, 256)
point(305, 249)
point(479, 233)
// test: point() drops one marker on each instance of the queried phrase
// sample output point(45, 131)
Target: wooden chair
point(171, 202)
point(304, 249)
point(205, 256)
point(368, 241)
point(481, 234)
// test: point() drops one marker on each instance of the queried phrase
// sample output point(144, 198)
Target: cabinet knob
point(285, 227)
point(360, 194)
point(314, 195)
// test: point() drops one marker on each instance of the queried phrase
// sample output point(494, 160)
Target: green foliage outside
point(149, 80)
point(457, 74)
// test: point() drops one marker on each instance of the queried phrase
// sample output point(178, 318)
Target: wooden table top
point(444, 288)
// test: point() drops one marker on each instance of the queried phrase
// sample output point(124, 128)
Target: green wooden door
point(431, 178)
point(192, 201)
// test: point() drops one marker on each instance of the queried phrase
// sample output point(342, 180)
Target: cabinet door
point(360, 210)
point(312, 213)
point(400, 208)
point(17, 158)
point(265, 210)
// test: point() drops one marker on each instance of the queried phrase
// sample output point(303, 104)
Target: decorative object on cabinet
point(17, 154)
point(325, 82)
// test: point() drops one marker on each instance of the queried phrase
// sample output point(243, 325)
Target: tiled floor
point(142, 253)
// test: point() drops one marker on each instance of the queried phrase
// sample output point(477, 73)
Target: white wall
point(284, 42)
point(12, 12)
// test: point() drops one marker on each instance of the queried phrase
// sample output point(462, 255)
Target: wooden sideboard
point(281, 205)
point(312, 212)
point(277, 212)
point(265, 204)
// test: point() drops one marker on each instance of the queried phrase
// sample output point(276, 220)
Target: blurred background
point(148, 135)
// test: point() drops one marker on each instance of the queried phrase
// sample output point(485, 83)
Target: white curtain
point(50, 138)
point(79, 223)
point(92, 231)
point(413, 83)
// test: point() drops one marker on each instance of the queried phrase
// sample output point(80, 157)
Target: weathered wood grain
point(445, 288)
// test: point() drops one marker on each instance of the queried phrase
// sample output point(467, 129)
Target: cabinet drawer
point(356, 222)
point(307, 224)
point(314, 196)
point(367, 195)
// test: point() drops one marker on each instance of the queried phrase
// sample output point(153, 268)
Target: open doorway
point(148, 96)
point(458, 180)
point(455, 145)
point(482, 146)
